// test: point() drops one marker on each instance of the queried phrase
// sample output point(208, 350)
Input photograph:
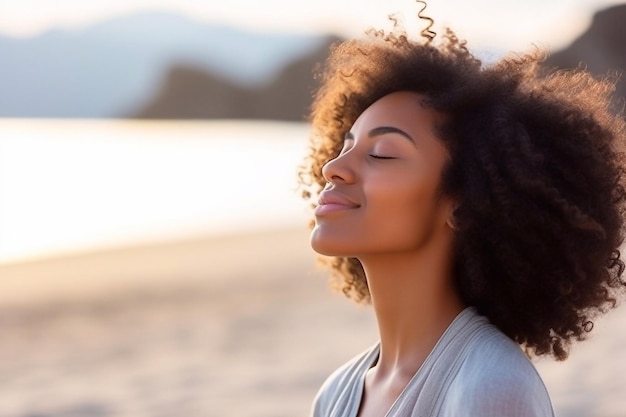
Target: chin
point(323, 249)
point(324, 246)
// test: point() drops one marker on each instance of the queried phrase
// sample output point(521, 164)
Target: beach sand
point(233, 326)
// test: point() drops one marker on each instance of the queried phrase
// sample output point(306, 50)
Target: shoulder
point(342, 381)
point(496, 378)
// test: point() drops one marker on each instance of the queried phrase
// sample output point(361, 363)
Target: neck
point(415, 300)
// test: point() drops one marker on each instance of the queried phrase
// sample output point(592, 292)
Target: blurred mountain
point(110, 68)
point(188, 92)
point(600, 49)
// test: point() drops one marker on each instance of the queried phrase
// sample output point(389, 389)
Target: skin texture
point(390, 215)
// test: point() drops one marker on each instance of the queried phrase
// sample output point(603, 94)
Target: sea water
point(79, 185)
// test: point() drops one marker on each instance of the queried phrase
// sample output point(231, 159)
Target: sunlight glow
point(80, 185)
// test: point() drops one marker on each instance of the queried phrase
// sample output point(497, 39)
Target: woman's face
point(382, 193)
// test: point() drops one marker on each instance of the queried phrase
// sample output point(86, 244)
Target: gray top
point(474, 370)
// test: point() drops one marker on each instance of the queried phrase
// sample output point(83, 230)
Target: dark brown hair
point(535, 168)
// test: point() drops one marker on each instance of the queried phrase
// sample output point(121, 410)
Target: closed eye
point(381, 157)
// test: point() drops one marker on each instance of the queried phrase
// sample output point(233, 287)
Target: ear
point(450, 223)
point(451, 218)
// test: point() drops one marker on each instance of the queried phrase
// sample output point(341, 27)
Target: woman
point(479, 209)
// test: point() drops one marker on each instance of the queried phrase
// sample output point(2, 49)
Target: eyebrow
point(381, 130)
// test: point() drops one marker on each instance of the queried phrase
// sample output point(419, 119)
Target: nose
point(339, 170)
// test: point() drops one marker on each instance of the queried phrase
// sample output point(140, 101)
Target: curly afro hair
point(535, 168)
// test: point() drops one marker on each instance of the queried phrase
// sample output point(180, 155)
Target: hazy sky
point(498, 23)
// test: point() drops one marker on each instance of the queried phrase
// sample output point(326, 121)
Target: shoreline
point(90, 275)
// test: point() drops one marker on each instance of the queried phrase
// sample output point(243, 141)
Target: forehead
point(403, 109)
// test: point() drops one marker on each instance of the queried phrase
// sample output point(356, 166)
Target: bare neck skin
point(415, 300)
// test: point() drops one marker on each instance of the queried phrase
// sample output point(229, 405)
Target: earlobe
point(450, 223)
point(451, 220)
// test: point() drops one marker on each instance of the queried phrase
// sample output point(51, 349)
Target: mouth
point(332, 201)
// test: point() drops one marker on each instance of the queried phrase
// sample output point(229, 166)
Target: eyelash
point(381, 157)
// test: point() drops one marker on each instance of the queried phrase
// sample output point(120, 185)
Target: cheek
point(406, 209)
point(403, 195)
point(400, 209)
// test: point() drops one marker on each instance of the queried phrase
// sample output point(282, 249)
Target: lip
point(331, 201)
